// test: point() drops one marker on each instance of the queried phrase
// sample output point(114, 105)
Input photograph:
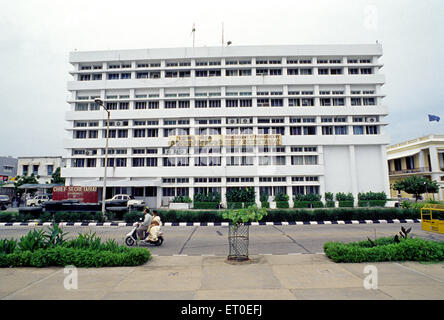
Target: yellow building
point(422, 157)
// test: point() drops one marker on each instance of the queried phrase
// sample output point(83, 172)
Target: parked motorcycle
point(131, 237)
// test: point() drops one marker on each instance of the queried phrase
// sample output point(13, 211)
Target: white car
point(125, 197)
point(37, 200)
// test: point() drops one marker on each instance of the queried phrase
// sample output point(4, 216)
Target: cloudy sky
point(36, 37)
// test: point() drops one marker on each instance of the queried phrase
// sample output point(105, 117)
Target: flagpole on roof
point(193, 31)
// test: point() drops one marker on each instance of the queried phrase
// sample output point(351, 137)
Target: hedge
point(308, 204)
point(320, 214)
point(206, 205)
point(282, 204)
point(265, 204)
point(346, 204)
point(329, 204)
point(239, 205)
point(62, 256)
point(386, 249)
point(371, 203)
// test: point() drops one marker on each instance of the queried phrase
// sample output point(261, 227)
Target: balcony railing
point(406, 171)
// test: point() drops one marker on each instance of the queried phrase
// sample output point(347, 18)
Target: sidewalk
point(264, 277)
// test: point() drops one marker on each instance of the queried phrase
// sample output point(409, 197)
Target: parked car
point(4, 201)
point(130, 201)
point(37, 200)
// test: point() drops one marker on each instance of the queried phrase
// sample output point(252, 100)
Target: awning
point(39, 186)
point(402, 154)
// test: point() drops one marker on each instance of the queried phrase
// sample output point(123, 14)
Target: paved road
point(276, 240)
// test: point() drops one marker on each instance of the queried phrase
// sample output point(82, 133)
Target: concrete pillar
point(353, 173)
point(385, 170)
point(159, 197)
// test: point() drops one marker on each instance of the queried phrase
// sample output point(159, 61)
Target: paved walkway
point(264, 277)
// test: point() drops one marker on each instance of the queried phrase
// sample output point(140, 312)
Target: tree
point(25, 180)
point(416, 186)
point(56, 178)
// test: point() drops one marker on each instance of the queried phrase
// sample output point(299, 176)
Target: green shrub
point(263, 197)
point(329, 196)
point(63, 256)
point(371, 203)
point(246, 194)
point(210, 197)
point(340, 196)
point(234, 205)
point(385, 250)
point(308, 204)
point(372, 196)
point(346, 204)
point(250, 214)
point(281, 197)
point(132, 216)
point(182, 199)
point(265, 204)
point(41, 249)
point(32, 241)
point(45, 217)
point(7, 246)
point(7, 216)
point(206, 205)
point(329, 204)
point(282, 204)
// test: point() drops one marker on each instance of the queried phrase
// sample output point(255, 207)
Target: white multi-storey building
point(323, 101)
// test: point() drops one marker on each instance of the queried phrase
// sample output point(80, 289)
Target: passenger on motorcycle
point(146, 223)
point(154, 228)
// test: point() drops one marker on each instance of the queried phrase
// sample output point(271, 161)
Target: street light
point(425, 184)
point(100, 102)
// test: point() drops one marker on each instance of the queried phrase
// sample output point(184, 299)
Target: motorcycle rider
point(143, 227)
point(154, 228)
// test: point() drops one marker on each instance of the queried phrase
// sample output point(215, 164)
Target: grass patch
point(50, 248)
point(386, 249)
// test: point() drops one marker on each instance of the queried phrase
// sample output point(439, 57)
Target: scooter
point(131, 237)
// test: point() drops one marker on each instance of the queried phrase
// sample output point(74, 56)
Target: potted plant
point(281, 200)
point(238, 230)
point(208, 200)
point(180, 202)
point(264, 200)
point(329, 200)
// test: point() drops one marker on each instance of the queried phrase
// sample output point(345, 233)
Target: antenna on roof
point(193, 31)
point(222, 34)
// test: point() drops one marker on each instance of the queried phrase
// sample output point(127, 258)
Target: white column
point(159, 197)
point(385, 170)
point(353, 173)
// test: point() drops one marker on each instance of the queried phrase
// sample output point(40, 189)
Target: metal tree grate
point(238, 238)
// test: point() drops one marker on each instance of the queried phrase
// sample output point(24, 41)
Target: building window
point(327, 130)
point(358, 130)
point(398, 165)
point(410, 162)
point(340, 130)
point(372, 129)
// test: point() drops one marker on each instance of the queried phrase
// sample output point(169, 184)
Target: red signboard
point(83, 194)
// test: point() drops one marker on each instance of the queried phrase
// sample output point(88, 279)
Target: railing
point(414, 170)
point(429, 137)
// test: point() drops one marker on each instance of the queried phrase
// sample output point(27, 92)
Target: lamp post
point(100, 102)
point(425, 184)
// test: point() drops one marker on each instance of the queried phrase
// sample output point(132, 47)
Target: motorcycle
point(131, 237)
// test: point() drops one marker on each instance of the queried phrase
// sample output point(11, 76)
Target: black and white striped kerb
point(205, 224)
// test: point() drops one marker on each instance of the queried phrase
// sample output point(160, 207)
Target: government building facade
point(292, 119)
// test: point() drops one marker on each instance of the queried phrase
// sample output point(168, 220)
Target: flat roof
point(229, 51)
